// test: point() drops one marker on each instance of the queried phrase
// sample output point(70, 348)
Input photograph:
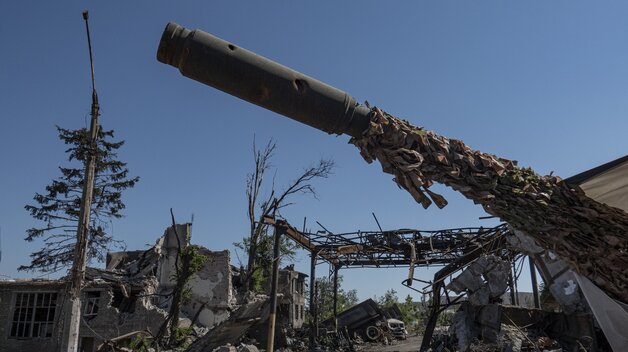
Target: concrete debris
point(463, 326)
point(509, 339)
point(482, 323)
point(233, 329)
point(225, 348)
point(592, 237)
point(484, 279)
point(247, 348)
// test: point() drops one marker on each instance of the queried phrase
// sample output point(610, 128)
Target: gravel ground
point(412, 343)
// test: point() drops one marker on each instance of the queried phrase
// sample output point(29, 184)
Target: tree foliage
point(388, 299)
point(325, 297)
point(410, 311)
point(259, 243)
point(58, 207)
point(188, 262)
point(264, 257)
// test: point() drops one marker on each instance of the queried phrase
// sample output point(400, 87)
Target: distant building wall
point(292, 286)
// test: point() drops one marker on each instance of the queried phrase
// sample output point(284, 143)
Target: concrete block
point(225, 348)
point(480, 297)
point(466, 280)
point(490, 316)
point(247, 348)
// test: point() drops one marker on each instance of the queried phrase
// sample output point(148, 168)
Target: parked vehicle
point(397, 329)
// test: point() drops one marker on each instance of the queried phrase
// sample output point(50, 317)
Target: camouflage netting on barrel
point(592, 237)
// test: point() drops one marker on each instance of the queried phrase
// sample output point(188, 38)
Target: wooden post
point(72, 309)
point(273, 293)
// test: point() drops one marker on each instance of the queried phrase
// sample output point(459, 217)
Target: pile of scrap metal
point(482, 322)
point(366, 321)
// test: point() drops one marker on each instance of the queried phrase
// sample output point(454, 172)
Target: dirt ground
point(412, 343)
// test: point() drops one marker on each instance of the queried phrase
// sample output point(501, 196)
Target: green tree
point(410, 312)
point(188, 261)
point(325, 297)
point(388, 299)
point(58, 207)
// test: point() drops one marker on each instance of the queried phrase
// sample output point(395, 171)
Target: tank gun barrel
point(258, 80)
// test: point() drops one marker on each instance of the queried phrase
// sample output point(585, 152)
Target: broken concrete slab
point(234, 328)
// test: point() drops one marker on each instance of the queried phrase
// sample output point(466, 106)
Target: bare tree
point(273, 203)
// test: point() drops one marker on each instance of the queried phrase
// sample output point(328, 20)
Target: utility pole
point(72, 310)
point(270, 345)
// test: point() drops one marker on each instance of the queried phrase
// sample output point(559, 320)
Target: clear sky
point(541, 82)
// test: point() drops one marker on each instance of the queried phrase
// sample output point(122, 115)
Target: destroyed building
point(32, 310)
point(292, 300)
point(131, 294)
point(211, 289)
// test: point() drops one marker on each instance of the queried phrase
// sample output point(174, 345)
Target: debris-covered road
point(412, 343)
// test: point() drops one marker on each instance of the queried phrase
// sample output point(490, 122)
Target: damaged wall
point(212, 290)
point(292, 286)
point(212, 293)
point(212, 296)
point(108, 311)
point(8, 296)
point(120, 311)
point(132, 294)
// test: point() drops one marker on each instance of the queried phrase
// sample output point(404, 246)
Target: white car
point(398, 329)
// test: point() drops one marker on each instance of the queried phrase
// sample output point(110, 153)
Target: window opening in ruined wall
point(300, 286)
point(126, 304)
point(34, 314)
point(91, 304)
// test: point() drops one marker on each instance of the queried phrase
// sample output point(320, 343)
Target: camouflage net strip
point(592, 237)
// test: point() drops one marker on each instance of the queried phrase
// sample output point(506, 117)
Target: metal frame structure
point(411, 248)
point(394, 248)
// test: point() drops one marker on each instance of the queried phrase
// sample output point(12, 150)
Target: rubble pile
point(514, 339)
point(485, 280)
point(591, 236)
point(510, 338)
point(235, 327)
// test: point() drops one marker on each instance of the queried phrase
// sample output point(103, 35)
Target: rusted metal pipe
point(336, 268)
point(535, 286)
point(313, 310)
point(258, 80)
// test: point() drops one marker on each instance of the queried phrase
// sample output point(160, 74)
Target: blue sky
point(541, 82)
